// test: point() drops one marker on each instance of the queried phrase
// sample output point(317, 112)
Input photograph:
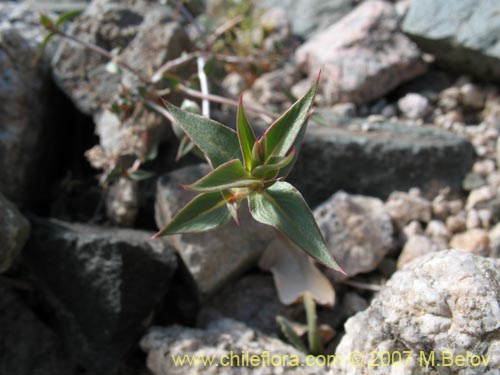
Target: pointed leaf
point(228, 175)
point(46, 22)
point(68, 16)
point(205, 212)
point(313, 337)
point(297, 145)
point(140, 175)
point(246, 136)
point(281, 135)
point(283, 207)
point(218, 143)
point(287, 329)
point(185, 146)
point(232, 203)
point(276, 163)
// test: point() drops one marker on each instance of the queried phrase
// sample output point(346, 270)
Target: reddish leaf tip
point(155, 236)
point(185, 187)
point(319, 76)
point(241, 99)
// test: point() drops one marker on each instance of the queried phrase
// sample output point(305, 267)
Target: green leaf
point(140, 175)
point(287, 329)
point(46, 22)
point(185, 147)
point(205, 212)
point(283, 207)
point(43, 46)
point(68, 16)
point(281, 135)
point(246, 136)
point(152, 152)
point(297, 145)
point(226, 176)
point(315, 346)
point(218, 143)
point(232, 203)
point(271, 170)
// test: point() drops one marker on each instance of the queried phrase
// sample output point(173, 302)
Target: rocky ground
point(400, 164)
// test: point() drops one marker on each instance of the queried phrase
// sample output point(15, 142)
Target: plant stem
point(101, 51)
point(222, 100)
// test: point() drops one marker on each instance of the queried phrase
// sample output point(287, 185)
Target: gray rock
point(414, 106)
point(122, 202)
point(406, 207)
point(474, 240)
point(253, 300)
point(231, 248)
point(14, 231)
point(416, 246)
point(57, 6)
point(234, 84)
point(146, 32)
point(386, 157)
point(363, 56)
point(440, 303)
point(104, 284)
point(28, 346)
point(310, 16)
point(464, 37)
point(271, 87)
point(357, 230)
point(219, 339)
point(24, 97)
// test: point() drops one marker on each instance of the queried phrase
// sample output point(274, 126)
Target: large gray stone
point(357, 230)
point(310, 16)
point(379, 159)
point(104, 285)
point(14, 232)
point(253, 300)
point(217, 256)
point(219, 340)
point(28, 346)
point(146, 33)
point(463, 36)
point(363, 56)
point(24, 96)
point(441, 303)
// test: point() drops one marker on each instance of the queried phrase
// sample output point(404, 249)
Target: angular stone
point(445, 301)
point(311, 16)
point(24, 96)
point(14, 232)
point(217, 256)
point(376, 161)
point(103, 284)
point(253, 300)
point(416, 246)
point(464, 37)
point(357, 230)
point(145, 32)
point(474, 240)
point(363, 56)
point(404, 208)
point(219, 339)
point(28, 346)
